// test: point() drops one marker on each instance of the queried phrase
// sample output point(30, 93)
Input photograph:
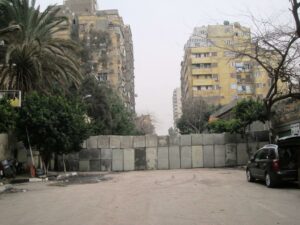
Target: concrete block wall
point(151, 152)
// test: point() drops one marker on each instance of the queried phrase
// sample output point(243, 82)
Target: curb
point(27, 180)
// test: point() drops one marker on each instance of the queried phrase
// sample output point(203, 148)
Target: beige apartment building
point(81, 7)
point(72, 31)
point(210, 70)
point(112, 59)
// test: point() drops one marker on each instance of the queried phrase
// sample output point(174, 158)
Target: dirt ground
point(170, 197)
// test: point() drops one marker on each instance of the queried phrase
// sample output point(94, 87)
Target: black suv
point(275, 163)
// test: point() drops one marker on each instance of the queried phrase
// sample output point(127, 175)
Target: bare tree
point(295, 7)
point(276, 49)
point(195, 115)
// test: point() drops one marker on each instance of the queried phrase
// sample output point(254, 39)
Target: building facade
point(108, 42)
point(81, 7)
point(177, 106)
point(72, 29)
point(210, 70)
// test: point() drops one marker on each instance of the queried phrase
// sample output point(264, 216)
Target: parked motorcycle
point(8, 168)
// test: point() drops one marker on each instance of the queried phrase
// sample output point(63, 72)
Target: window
point(262, 154)
point(233, 75)
point(229, 42)
point(256, 74)
point(102, 76)
point(215, 77)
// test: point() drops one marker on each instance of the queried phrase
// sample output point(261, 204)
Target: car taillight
point(275, 165)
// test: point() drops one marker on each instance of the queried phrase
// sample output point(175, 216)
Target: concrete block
point(230, 156)
point(106, 164)
point(220, 155)
point(186, 140)
point(253, 147)
point(95, 165)
point(208, 156)
point(106, 153)
point(115, 142)
point(186, 157)
point(242, 155)
point(230, 138)
point(128, 159)
point(89, 154)
point(83, 145)
point(103, 141)
point(174, 157)
point(151, 158)
point(74, 156)
point(127, 142)
point(262, 144)
point(140, 158)
point(219, 139)
point(73, 165)
point(163, 141)
point(117, 160)
point(83, 155)
point(163, 158)
point(92, 142)
point(139, 141)
point(208, 139)
point(174, 140)
point(197, 139)
point(197, 156)
point(240, 139)
point(84, 165)
point(151, 141)
point(52, 163)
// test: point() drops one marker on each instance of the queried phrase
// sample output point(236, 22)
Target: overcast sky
point(160, 29)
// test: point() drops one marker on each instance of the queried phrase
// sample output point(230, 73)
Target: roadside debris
point(10, 189)
point(74, 178)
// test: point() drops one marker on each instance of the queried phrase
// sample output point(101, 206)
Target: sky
point(160, 28)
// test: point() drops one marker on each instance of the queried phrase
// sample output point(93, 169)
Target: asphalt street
point(169, 197)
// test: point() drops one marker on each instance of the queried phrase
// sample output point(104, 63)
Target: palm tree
point(34, 58)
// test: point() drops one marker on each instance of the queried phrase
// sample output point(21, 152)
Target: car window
point(262, 154)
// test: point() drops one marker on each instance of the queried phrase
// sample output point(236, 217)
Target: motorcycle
point(8, 168)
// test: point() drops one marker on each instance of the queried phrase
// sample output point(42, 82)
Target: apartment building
point(109, 41)
point(72, 24)
point(210, 70)
point(177, 106)
point(82, 7)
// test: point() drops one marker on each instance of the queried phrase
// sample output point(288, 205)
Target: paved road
point(177, 197)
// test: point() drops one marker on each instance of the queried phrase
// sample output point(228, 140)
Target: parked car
point(275, 163)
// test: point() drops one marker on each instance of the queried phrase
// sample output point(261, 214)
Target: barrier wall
point(127, 153)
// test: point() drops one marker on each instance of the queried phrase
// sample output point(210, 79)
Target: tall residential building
point(80, 7)
point(212, 71)
point(73, 24)
point(109, 42)
point(177, 107)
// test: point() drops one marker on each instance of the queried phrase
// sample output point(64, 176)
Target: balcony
point(204, 71)
point(201, 60)
point(198, 82)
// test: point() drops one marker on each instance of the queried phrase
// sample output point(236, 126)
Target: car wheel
point(270, 181)
point(250, 178)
